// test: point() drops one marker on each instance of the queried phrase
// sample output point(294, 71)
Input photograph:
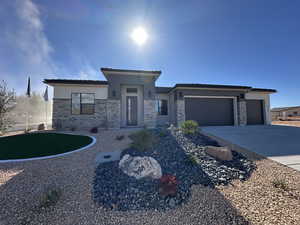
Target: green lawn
point(40, 144)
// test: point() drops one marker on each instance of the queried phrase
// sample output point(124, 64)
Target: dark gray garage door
point(255, 112)
point(210, 111)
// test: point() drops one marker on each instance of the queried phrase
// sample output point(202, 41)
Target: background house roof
point(68, 81)
point(280, 109)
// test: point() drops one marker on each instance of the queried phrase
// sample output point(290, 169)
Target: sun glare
point(139, 35)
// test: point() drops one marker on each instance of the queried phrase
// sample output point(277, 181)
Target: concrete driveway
point(279, 143)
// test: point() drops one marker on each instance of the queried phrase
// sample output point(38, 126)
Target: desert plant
point(94, 130)
point(189, 127)
point(50, 197)
point(41, 126)
point(192, 159)
point(26, 131)
point(168, 185)
point(120, 137)
point(281, 184)
point(162, 133)
point(142, 140)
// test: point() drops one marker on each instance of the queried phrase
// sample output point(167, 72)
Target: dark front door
point(131, 110)
point(210, 111)
point(255, 112)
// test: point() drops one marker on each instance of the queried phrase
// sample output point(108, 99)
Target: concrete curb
point(53, 156)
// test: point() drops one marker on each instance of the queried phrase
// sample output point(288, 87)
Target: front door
point(132, 110)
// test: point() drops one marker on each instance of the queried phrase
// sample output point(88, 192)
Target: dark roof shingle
point(69, 81)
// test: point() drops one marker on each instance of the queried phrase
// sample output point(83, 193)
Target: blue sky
point(249, 42)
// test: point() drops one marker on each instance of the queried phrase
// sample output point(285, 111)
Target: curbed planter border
point(94, 140)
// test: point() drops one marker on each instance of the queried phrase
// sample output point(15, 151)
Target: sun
point(139, 36)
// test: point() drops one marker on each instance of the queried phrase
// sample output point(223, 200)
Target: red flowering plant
point(168, 185)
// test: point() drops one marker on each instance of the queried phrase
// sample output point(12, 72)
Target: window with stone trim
point(162, 107)
point(83, 103)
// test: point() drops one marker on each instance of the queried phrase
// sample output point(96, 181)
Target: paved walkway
point(279, 143)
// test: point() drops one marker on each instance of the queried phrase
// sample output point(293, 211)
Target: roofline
point(224, 87)
point(210, 86)
point(152, 72)
point(70, 81)
point(264, 90)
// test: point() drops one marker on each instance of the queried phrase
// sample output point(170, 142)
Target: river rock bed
point(113, 189)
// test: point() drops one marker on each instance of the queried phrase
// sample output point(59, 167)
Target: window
point(83, 103)
point(131, 90)
point(162, 107)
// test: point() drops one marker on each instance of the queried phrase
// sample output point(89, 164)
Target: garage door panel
point(255, 112)
point(210, 111)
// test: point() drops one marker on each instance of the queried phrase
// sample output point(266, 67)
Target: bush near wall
point(189, 127)
point(142, 140)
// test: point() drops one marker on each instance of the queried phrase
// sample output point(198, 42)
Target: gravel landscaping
point(253, 201)
point(180, 155)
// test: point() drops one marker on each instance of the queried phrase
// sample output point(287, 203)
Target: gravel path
point(255, 200)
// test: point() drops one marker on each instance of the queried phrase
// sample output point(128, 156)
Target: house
point(285, 113)
point(129, 98)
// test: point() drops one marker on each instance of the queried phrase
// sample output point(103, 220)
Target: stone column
point(61, 113)
point(180, 112)
point(242, 112)
point(150, 113)
point(113, 108)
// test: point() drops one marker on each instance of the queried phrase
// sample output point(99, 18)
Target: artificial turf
point(40, 144)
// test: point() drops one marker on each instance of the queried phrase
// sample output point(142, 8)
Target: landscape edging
point(94, 140)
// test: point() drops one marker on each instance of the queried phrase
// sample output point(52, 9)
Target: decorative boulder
point(140, 167)
point(220, 153)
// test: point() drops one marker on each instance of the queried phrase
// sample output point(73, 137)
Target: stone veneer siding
point(242, 113)
point(180, 112)
point(150, 114)
point(113, 113)
point(63, 119)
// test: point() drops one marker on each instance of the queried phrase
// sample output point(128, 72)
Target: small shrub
point(162, 133)
point(189, 127)
point(41, 126)
point(168, 185)
point(281, 184)
point(120, 137)
point(26, 131)
point(192, 159)
point(50, 198)
point(94, 130)
point(142, 140)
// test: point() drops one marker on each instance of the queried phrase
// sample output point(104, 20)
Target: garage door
point(210, 111)
point(255, 112)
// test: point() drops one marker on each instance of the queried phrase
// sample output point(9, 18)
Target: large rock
point(140, 167)
point(220, 153)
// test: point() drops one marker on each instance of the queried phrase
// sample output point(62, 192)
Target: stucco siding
point(65, 91)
